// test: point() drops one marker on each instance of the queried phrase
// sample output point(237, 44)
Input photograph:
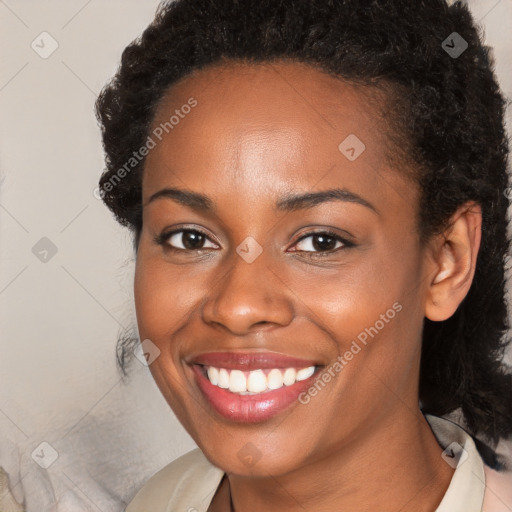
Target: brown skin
point(257, 133)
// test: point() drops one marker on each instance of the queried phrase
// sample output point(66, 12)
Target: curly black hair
point(447, 109)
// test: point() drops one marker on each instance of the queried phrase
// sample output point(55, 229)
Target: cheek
point(350, 298)
point(162, 297)
point(387, 321)
point(164, 294)
point(371, 308)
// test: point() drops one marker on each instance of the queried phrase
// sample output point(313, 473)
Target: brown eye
point(185, 240)
point(322, 242)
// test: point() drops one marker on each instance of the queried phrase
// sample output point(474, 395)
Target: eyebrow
point(287, 203)
point(293, 202)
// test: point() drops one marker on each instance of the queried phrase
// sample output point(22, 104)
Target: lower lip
point(250, 408)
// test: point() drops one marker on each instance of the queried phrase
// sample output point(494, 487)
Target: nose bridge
point(249, 292)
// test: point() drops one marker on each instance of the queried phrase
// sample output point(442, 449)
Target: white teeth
point(213, 375)
point(223, 379)
point(275, 379)
point(289, 376)
point(305, 373)
point(237, 381)
point(256, 381)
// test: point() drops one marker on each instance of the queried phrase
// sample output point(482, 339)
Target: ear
point(452, 262)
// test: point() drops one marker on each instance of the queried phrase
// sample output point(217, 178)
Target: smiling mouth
point(257, 381)
point(252, 396)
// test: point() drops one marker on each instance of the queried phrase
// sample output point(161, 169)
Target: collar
point(467, 486)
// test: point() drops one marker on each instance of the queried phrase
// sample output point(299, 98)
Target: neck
point(396, 466)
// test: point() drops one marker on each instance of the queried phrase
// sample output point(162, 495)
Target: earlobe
point(452, 263)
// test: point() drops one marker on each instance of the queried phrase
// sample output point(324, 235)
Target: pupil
point(323, 242)
point(192, 240)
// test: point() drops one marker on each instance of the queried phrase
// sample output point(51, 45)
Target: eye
point(195, 240)
point(322, 241)
point(184, 240)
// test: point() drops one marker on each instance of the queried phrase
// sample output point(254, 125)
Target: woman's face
point(247, 270)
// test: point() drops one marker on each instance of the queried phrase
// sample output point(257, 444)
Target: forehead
point(268, 126)
point(272, 95)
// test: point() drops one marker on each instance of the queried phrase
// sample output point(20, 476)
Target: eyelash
point(163, 238)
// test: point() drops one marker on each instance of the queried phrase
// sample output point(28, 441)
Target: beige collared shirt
point(189, 483)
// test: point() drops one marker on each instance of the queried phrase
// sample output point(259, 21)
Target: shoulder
point(187, 483)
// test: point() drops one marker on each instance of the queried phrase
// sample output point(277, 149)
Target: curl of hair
point(447, 112)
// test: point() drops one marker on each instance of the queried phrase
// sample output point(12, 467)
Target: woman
point(317, 195)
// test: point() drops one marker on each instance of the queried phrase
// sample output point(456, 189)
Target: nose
point(247, 296)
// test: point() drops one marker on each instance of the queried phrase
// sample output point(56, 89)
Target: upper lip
point(251, 360)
